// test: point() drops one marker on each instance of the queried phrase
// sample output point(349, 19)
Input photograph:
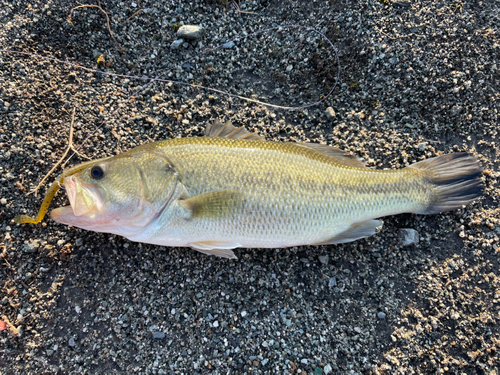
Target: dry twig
point(79, 153)
point(132, 16)
point(120, 48)
point(238, 8)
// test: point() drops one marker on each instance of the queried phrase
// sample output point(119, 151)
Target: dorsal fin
point(339, 155)
point(227, 130)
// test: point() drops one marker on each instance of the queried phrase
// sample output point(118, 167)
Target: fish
point(232, 188)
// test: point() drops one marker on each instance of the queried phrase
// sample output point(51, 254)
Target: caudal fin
point(454, 179)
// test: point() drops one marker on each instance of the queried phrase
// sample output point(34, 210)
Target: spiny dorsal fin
point(339, 155)
point(227, 130)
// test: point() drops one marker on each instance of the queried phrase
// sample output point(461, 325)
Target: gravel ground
point(418, 79)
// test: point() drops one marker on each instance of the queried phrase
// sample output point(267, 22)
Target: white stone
point(408, 236)
point(190, 32)
point(330, 113)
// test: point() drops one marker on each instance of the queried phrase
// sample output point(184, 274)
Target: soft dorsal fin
point(339, 155)
point(227, 130)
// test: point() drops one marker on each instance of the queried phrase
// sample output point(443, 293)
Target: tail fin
point(454, 180)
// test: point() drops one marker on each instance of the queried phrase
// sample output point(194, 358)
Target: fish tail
point(453, 179)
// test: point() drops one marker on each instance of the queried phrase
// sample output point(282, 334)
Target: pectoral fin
point(215, 204)
point(218, 248)
point(355, 232)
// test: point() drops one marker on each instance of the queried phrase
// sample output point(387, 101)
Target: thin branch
point(238, 8)
point(70, 145)
point(79, 154)
point(132, 16)
point(120, 48)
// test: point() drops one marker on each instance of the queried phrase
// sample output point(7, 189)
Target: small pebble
point(190, 32)
point(71, 342)
point(158, 335)
point(408, 236)
point(381, 315)
point(32, 246)
point(176, 44)
point(327, 369)
point(330, 112)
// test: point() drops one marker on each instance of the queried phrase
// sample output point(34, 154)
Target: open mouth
point(82, 200)
point(85, 203)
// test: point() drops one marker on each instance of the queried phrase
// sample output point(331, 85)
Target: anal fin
point(355, 232)
point(221, 249)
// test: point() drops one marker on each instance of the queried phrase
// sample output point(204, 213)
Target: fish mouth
point(82, 198)
point(85, 205)
point(65, 215)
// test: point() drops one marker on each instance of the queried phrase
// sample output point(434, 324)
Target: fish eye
point(96, 172)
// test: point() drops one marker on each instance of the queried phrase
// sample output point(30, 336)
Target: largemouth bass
point(233, 189)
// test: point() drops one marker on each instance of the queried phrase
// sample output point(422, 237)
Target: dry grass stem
point(132, 16)
point(79, 153)
point(238, 8)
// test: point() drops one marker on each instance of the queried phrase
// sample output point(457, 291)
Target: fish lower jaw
point(58, 213)
point(66, 215)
